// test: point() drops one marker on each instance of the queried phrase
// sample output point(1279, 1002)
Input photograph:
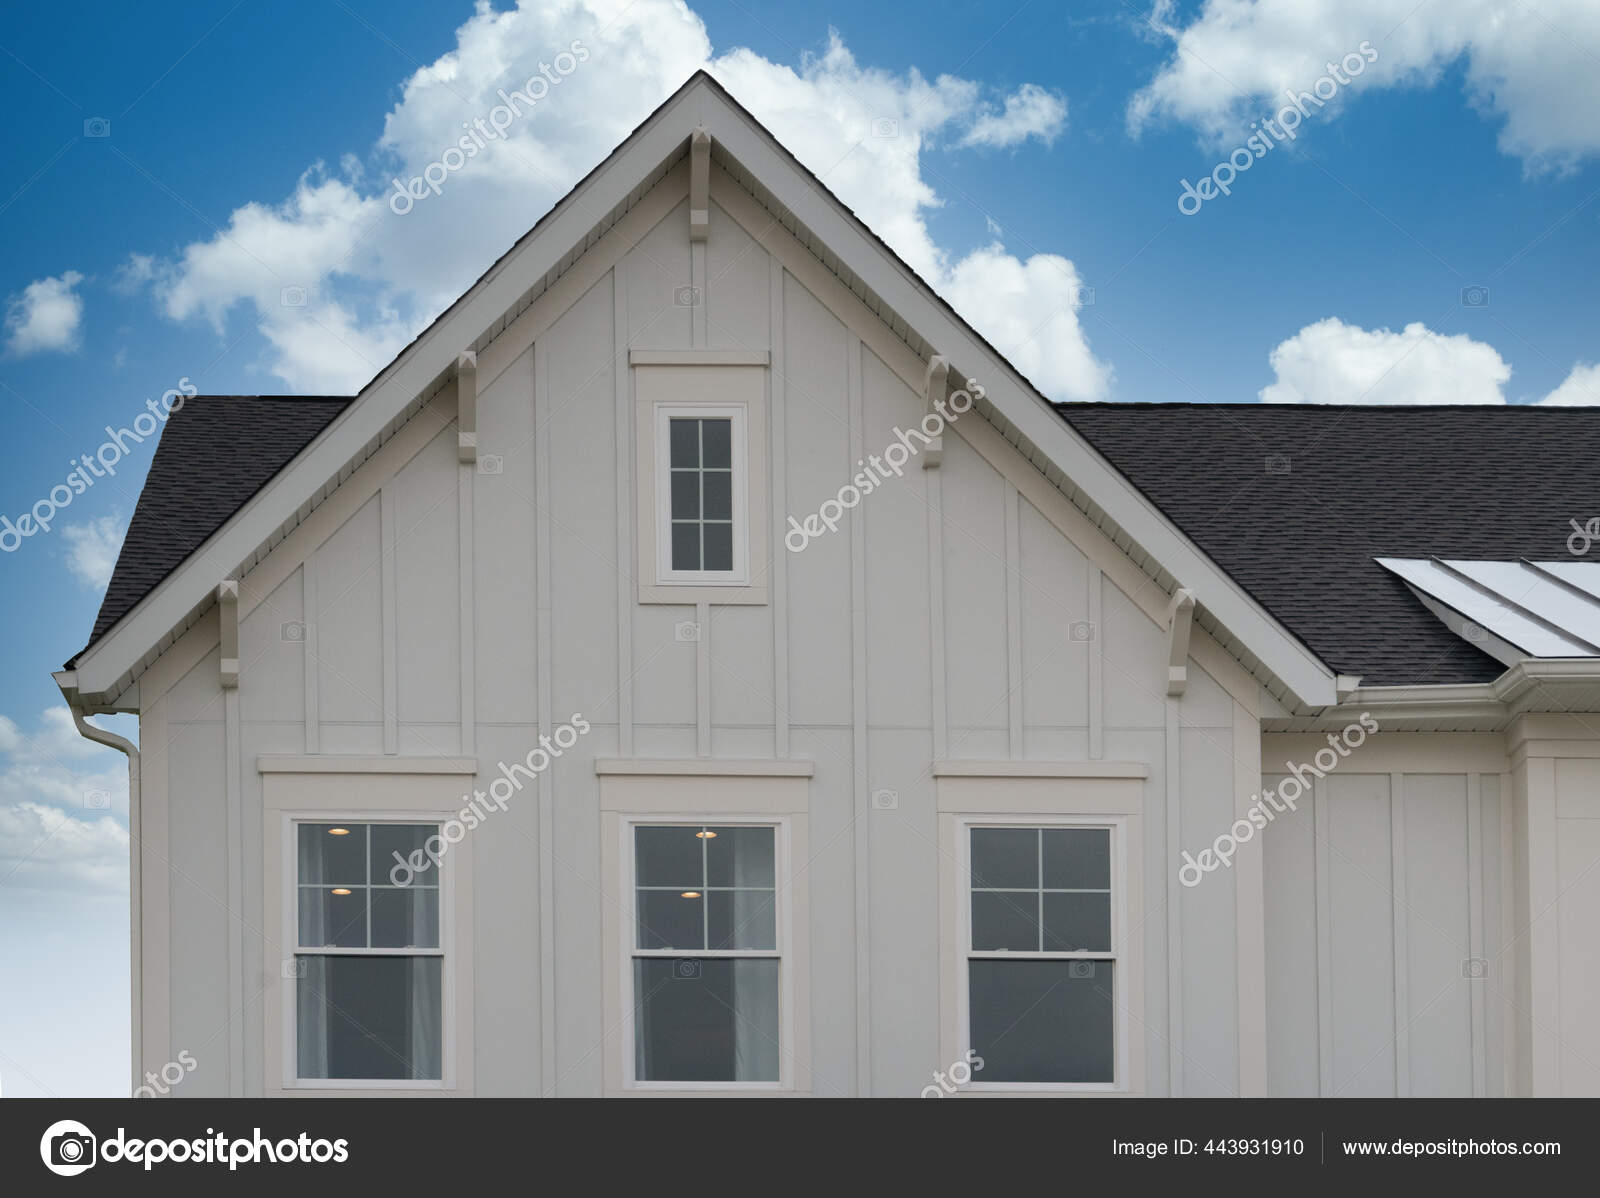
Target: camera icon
point(1474, 633)
point(294, 967)
point(67, 1148)
point(885, 800)
point(491, 463)
point(1081, 630)
point(1475, 296)
point(1080, 969)
point(292, 630)
point(686, 630)
point(97, 126)
point(1277, 463)
point(686, 970)
point(1083, 296)
point(97, 800)
point(686, 297)
point(1475, 968)
point(293, 296)
point(885, 126)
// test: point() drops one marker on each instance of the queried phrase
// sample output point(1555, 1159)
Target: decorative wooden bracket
point(934, 391)
point(467, 407)
point(699, 185)
point(1180, 621)
point(228, 607)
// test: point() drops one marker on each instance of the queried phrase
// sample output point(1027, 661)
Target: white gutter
point(67, 680)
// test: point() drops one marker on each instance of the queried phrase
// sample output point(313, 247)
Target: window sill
point(684, 593)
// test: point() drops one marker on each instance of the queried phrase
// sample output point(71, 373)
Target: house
point(701, 663)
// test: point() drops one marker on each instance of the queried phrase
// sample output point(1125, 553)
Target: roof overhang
point(1286, 665)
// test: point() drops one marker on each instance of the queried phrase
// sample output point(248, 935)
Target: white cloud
point(63, 809)
point(1531, 69)
point(1582, 386)
point(372, 278)
point(92, 549)
point(1030, 112)
point(1334, 362)
point(45, 315)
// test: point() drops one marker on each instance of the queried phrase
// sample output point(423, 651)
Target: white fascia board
point(384, 399)
point(1311, 681)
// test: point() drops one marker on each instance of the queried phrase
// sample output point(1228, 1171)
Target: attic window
point(701, 509)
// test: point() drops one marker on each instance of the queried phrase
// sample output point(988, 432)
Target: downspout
point(128, 749)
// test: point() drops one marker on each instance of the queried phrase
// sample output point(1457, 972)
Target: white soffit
point(1513, 610)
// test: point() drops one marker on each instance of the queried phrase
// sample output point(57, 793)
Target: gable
point(557, 256)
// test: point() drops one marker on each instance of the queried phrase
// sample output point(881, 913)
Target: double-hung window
point(706, 960)
point(1041, 957)
point(368, 963)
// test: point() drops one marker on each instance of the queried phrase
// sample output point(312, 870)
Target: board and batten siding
point(1389, 970)
point(438, 610)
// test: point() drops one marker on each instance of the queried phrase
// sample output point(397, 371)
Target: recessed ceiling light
point(340, 890)
point(338, 831)
point(691, 894)
point(706, 834)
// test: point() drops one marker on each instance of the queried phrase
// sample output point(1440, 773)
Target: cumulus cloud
point(63, 809)
point(1581, 387)
point(92, 549)
point(1533, 71)
point(45, 315)
point(1334, 362)
point(338, 283)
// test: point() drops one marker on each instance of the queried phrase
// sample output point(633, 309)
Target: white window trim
point(363, 798)
point(1119, 913)
point(293, 948)
point(628, 799)
point(685, 387)
point(994, 799)
point(739, 414)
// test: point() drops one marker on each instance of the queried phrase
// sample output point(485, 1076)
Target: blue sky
point(1026, 158)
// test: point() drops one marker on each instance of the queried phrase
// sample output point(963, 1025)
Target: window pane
point(1077, 923)
point(739, 856)
point(1077, 858)
point(1005, 919)
point(403, 839)
point(685, 440)
point(668, 920)
point(1042, 1021)
point(329, 920)
point(1005, 858)
point(405, 918)
point(741, 919)
point(685, 495)
point(719, 546)
point(668, 856)
point(369, 1017)
point(335, 857)
point(719, 494)
point(686, 546)
point(716, 442)
point(706, 1021)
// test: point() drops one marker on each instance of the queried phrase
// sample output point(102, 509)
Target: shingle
point(1295, 501)
point(215, 453)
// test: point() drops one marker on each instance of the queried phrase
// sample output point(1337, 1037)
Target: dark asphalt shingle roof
point(215, 453)
point(1294, 501)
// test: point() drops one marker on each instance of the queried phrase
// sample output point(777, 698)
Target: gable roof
point(1297, 502)
point(215, 452)
point(802, 204)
